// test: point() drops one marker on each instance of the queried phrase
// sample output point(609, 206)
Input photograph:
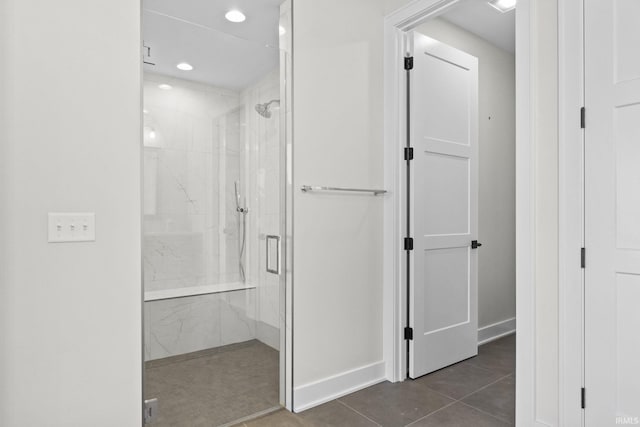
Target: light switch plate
point(72, 227)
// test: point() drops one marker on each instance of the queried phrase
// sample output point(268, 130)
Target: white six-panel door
point(443, 207)
point(612, 212)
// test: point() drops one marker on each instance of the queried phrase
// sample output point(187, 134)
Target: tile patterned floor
point(213, 387)
point(477, 392)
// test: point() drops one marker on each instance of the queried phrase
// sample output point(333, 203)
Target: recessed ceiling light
point(282, 30)
point(503, 5)
point(235, 15)
point(184, 66)
point(165, 86)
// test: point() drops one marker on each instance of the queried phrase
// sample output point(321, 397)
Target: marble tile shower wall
point(185, 152)
point(193, 154)
point(230, 129)
point(183, 325)
point(199, 141)
point(263, 176)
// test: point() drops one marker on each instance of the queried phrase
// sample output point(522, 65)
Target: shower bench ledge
point(191, 291)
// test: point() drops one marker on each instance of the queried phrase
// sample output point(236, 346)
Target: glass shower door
point(214, 219)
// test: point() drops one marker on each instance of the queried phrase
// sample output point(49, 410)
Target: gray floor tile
point(497, 356)
point(508, 341)
point(497, 399)
point(459, 380)
point(459, 415)
point(281, 418)
point(216, 387)
point(396, 404)
point(332, 414)
point(335, 414)
point(212, 388)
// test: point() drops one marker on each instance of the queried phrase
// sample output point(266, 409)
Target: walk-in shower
point(212, 195)
point(214, 211)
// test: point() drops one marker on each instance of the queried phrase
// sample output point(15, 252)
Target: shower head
point(265, 109)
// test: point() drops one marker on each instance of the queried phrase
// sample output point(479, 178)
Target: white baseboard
point(318, 392)
point(496, 330)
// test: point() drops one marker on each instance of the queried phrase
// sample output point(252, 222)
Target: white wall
point(390, 6)
point(545, 123)
point(338, 141)
point(496, 189)
point(70, 141)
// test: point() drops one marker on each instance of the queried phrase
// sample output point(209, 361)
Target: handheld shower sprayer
point(242, 230)
point(242, 210)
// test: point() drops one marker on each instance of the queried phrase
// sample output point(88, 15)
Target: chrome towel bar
point(308, 188)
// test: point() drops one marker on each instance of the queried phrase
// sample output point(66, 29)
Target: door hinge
point(583, 257)
point(408, 243)
point(408, 63)
point(408, 153)
point(582, 118)
point(408, 333)
point(582, 398)
point(475, 244)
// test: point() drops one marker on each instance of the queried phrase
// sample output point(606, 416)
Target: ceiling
point(478, 17)
point(223, 54)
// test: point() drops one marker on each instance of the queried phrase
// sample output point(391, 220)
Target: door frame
point(570, 212)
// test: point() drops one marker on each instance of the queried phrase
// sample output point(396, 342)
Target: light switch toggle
point(72, 227)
